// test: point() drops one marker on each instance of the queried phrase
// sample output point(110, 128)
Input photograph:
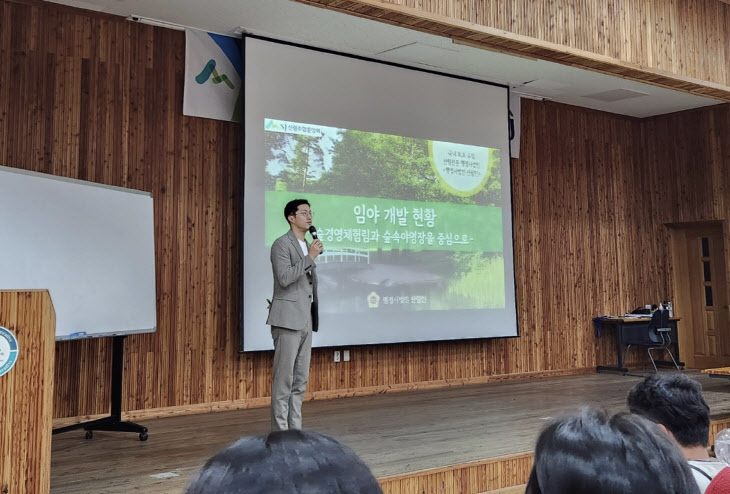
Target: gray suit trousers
point(292, 352)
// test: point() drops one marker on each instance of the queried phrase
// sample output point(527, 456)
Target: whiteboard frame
point(98, 228)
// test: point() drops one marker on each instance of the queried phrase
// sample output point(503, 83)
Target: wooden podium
point(26, 393)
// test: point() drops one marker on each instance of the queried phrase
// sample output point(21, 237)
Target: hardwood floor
point(393, 433)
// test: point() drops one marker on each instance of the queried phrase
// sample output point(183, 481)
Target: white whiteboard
point(92, 246)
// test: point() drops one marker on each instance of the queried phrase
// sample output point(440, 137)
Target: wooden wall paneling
point(719, 152)
point(715, 427)
point(468, 478)
point(526, 242)
point(26, 393)
point(693, 167)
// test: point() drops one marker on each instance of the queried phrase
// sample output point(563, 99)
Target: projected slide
point(408, 224)
point(408, 176)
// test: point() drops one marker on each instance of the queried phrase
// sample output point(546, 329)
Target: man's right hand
point(315, 248)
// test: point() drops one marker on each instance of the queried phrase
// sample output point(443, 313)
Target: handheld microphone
point(313, 232)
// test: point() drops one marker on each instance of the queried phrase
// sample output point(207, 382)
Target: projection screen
point(408, 177)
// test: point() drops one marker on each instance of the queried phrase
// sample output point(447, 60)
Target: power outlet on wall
point(337, 355)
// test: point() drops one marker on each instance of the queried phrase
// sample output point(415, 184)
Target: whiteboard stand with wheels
point(92, 247)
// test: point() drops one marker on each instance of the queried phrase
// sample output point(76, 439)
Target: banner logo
point(8, 350)
point(209, 70)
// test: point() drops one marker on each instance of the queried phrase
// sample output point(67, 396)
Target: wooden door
point(701, 288)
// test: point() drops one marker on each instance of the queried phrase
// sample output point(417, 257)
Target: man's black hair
point(591, 452)
point(674, 401)
point(292, 207)
point(285, 462)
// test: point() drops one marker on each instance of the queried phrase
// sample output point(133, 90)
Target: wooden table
point(622, 326)
point(720, 372)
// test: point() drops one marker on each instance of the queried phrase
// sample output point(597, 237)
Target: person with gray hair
point(285, 462)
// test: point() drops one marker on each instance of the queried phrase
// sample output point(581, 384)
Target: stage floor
point(393, 433)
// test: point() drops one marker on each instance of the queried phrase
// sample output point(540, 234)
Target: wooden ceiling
point(490, 38)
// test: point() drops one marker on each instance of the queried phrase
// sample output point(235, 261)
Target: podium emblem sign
point(8, 350)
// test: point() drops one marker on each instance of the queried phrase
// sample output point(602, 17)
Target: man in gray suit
point(292, 315)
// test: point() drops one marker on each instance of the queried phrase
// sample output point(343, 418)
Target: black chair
point(655, 336)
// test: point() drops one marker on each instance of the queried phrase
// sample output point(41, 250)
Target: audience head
point(623, 454)
point(285, 462)
point(675, 402)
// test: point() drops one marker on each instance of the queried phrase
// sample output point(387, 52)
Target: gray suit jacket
point(295, 285)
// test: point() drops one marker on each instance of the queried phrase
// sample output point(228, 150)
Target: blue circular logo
point(8, 350)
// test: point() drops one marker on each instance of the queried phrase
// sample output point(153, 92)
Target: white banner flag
point(213, 72)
